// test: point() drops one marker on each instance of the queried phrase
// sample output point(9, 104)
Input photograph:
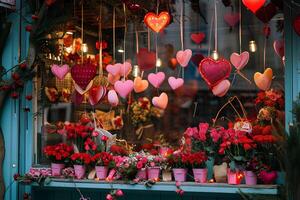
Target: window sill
point(167, 187)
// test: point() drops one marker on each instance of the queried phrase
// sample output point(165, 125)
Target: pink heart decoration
point(175, 82)
point(161, 101)
point(113, 69)
point(113, 98)
point(95, 94)
point(214, 71)
point(239, 61)
point(123, 88)
point(198, 37)
point(232, 18)
point(156, 79)
point(146, 60)
point(83, 74)
point(122, 69)
point(222, 88)
point(278, 46)
point(125, 69)
point(60, 71)
point(112, 79)
point(183, 57)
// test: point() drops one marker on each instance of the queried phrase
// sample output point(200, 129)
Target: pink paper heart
point(60, 71)
point(112, 79)
point(113, 98)
point(125, 69)
point(95, 94)
point(278, 46)
point(113, 69)
point(239, 61)
point(161, 101)
point(183, 57)
point(156, 79)
point(175, 82)
point(123, 88)
point(232, 18)
point(222, 88)
point(198, 37)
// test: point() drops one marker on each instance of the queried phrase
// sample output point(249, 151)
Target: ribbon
point(80, 90)
point(139, 132)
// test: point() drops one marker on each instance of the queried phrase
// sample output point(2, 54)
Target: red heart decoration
point(198, 37)
point(83, 74)
point(214, 71)
point(77, 98)
point(296, 25)
point(268, 177)
point(266, 13)
point(197, 58)
point(232, 18)
point(157, 22)
point(96, 93)
point(146, 60)
point(254, 5)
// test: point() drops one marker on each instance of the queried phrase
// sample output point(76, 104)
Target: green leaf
point(47, 181)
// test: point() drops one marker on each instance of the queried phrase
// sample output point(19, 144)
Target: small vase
point(153, 173)
point(142, 174)
point(79, 171)
point(250, 178)
point(234, 177)
point(200, 175)
point(166, 175)
point(180, 174)
point(101, 172)
point(220, 173)
point(57, 168)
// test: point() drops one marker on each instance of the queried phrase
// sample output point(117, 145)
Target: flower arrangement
point(103, 159)
point(197, 160)
point(81, 159)
point(154, 161)
point(270, 98)
point(126, 167)
point(179, 160)
point(59, 153)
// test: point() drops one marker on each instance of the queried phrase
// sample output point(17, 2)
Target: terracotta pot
point(166, 175)
point(200, 175)
point(220, 173)
point(250, 178)
point(79, 171)
point(101, 172)
point(57, 168)
point(153, 173)
point(180, 174)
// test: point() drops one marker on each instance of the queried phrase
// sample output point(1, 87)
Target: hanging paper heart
point(77, 98)
point(197, 58)
point(113, 98)
point(175, 82)
point(83, 74)
point(156, 79)
point(214, 71)
point(296, 24)
point(183, 57)
point(123, 88)
point(125, 68)
point(60, 71)
point(113, 69)
point(198, 37)
point(222, 88)
point(112, 79)
point(266, 13)
point(95, 94)
point(157, 22)
point(80, 90)
point(232, 19)
point(146, 60)
point(264, 81)
point(254, 5)
point(161, 101)
point(278, 46)
point(140, 85)
point(239, 61)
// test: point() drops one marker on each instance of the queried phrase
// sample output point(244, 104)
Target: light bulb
point(135, 71)
point(215, 55)
point(120, 50)
point(84, 48)
point(252, 46)
point(158, 62)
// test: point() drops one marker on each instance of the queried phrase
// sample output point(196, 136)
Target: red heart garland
point(83, 74)
point(296, 25)
point(146, 60)
point(214, 71)
point(198, 37)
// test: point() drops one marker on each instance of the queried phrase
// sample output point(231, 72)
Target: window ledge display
point(167, 186)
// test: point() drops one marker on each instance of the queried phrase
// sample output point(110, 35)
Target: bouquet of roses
point(59, 153)
point(81, 158)
point(141, 159)
point(197, 160)
point(126, 167)
point(154, 161)
point(179, 159)
point(270, 98)
point(103, 159)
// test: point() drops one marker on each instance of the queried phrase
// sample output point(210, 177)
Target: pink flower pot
point(200, 175)
point(180, 174)
point(153, 173)
point(250, 177)
point(57, 168)
point(234, 178)
point(142, 174)
point(101, 172)
point(79, 171)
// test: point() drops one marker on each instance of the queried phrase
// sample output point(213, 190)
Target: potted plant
point(198, 163)
point(141, 165)
point(154, 166)
point(79, 161)
point(125, 167)
point(58, 155)
point(103, 161)
point(179, 163)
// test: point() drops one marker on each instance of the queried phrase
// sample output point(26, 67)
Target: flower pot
point(79, 171)
point(142, 174)
point(250, 178)
point(200, 175)
point(180, 174)
point(268, 177)
point(234, 177)
point(220, 173)
point(101, 172)
point(153, 173)
point(57, 168)
point(166, 175)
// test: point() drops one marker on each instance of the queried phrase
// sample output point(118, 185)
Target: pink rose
point(152, 164)
point(109, 197)
point(119, 193)
point(139, 165)
point(203, 127)
point(95, 134)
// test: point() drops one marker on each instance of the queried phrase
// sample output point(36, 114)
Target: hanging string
point(240, 27)
point(125, 31)
point(156, 38)
point(149, 40)
point(81, 32)
point(265, 46)
point(210, 35)
point(216, 27)
point(100, 40)
point(181, 24)
point(114, 34)
point(136, 40)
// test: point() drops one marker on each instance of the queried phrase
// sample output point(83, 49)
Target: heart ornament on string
point(183, 57)
point(239, 61)
point(140, 85)
point(60, 71)
point(175, 82)
point(96, 93)
point(232, 19)
point(83, 74)
point(161, 101)
point(112, 79)
point(254, 5)
point(122, 69)
point(264, 81)
point(214, 71)
point(146, 59)
point(123, 88)
point(156, 79)
point(198, 37)
point(278, 46)
point(157, 22)
point(113, 98)
point(222, 88)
